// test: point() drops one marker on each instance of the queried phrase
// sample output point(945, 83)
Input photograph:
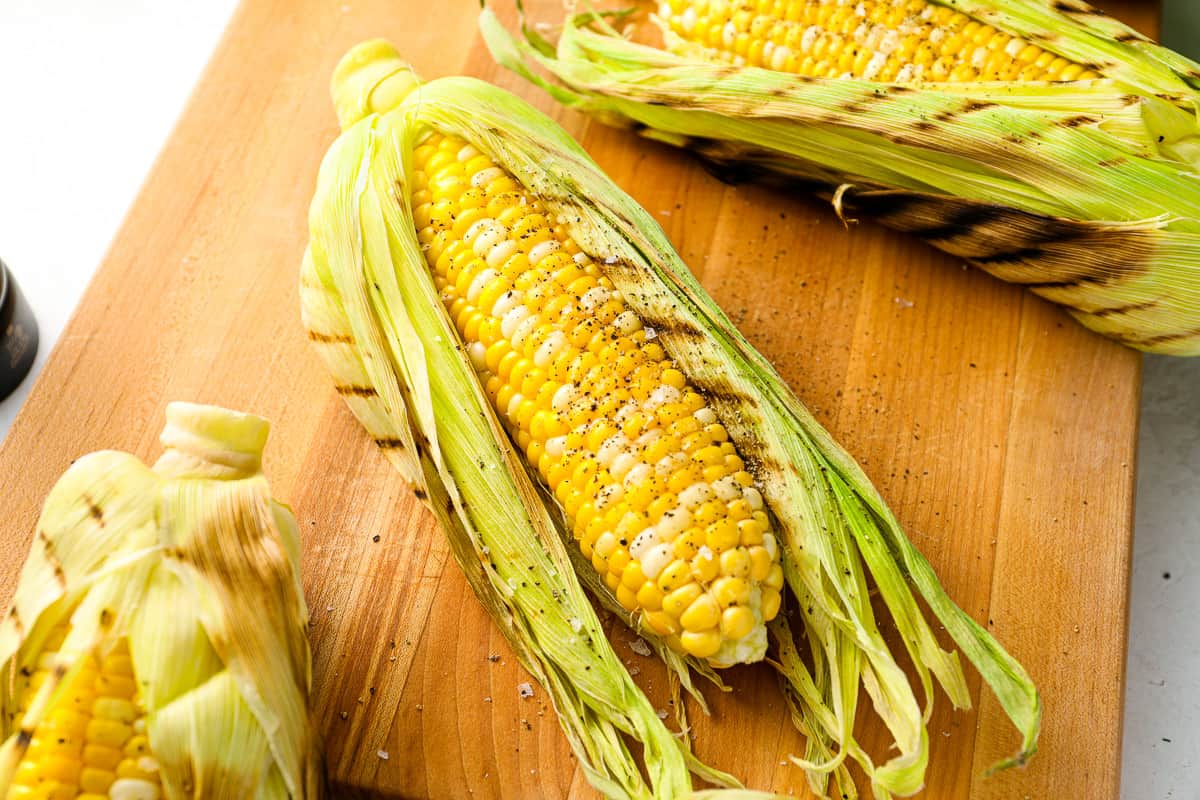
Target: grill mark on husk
point(1126, 309)
point(357, 391)
point(48, 550)
point(330, 338)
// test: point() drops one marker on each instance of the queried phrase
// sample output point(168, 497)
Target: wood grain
point(1001, 432)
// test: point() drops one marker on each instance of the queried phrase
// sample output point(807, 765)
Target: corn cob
point(456, 231)
point(1050, 146)
point(656, 495)
point(156, 642)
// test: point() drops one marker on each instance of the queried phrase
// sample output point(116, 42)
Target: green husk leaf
point(1087, 190)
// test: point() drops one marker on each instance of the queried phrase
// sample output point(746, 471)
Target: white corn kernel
point(663, 394)
point(514, 404)
point(655, 560)
point(541, 250)
point(696, 495)
point(480, 283)
point(666, 466)
point(563, 397)
point(509, 322)
point(610, 494)
point(593, 298)
point(627, 322)
point(133, 789)
point(674, 522)
point(488, 238)
point(727, 489)
point(638, 475)
point(485, 176)
point(753, 497)
point(642, 543)
point(622, 464)
point(507, 302)
point(549, 349)
point(649, 437)
point(527, 326)
point(501, 253)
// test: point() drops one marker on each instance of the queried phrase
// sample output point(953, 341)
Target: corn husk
point(1085, 192)
point(371, 306)
point(199, 568)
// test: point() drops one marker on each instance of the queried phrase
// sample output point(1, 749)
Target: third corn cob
point(1049, 145)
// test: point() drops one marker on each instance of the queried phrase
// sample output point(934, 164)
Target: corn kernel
point(736, 622)
point(678, 601)
point(731, 592)
point(701, 615)
point(771, 600)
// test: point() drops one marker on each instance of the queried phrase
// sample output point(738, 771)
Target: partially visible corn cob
point(419, 283)
point(156, 641)
point(1047, 144)
point(92, 743)
point(655, 492)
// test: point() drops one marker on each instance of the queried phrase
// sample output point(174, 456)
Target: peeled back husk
point(371, 307)
point(194, 564)
point(1085, 192)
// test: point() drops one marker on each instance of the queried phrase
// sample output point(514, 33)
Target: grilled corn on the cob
point(1048, 145)
point(654, 490)
point(155, 647)
point(484, 297)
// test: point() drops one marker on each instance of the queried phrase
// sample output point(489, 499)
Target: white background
point(90, 91)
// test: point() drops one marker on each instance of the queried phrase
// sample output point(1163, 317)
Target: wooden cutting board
point(1001, 432)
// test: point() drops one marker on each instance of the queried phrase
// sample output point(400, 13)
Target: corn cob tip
point(220, 442)
point(371, 78)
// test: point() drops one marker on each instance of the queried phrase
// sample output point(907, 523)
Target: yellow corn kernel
point(735, 563)
point(662, 623)
point(96, 781)
point(100, 757)
point(701, 644)
point(771, 600)
point(650, 597)
point(730, 592)
point(678, 601)
point(760, 563)
point(701, 615)
point(736, 622)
